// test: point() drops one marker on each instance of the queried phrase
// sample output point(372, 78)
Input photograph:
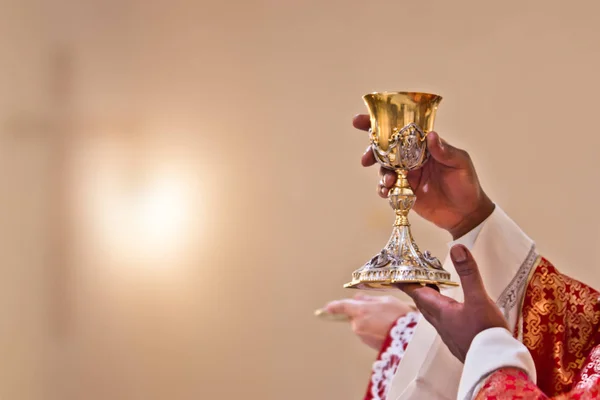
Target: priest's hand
point(371, 317)
point(447, 188)
point(459, 323)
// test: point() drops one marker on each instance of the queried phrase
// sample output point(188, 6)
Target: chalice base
point(400, 262)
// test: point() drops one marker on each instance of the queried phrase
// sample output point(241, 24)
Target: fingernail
point(368, 149)
point(441, 143)
point(458, 254)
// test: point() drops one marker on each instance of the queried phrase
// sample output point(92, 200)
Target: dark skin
point(447, 188)
point(458, 323)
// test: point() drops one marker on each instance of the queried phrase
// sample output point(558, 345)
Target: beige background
point(242, 111)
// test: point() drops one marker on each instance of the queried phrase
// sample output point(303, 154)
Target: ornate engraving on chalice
point(399, 125)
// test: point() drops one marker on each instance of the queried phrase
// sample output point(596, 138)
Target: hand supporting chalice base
point(400, 122)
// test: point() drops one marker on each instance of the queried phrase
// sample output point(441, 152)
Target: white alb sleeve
point(491, 350)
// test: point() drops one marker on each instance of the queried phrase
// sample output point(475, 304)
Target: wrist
point(474, 219)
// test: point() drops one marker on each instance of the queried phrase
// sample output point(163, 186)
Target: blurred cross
point(54, 126)
point(59, 124)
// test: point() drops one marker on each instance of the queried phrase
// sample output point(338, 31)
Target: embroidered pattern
point(508, 384)
point(561, 317)
point(387, 363)
point(590, 374)
point(514, 291)
point(512, 384)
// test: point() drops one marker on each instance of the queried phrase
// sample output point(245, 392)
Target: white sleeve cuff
point(491, 350)
point(469, 238)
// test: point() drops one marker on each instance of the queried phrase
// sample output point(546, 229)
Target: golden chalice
point(400, 122)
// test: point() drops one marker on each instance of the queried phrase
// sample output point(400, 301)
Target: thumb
point(467, 270)
point(445, 153)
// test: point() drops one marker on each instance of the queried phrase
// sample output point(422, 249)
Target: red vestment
point(560, 325)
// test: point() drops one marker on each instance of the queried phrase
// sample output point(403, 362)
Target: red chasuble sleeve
point(561, 328)
point(511, 384)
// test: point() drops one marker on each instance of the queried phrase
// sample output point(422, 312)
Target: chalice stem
point(401, 198)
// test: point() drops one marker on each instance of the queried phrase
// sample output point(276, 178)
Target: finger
point(382, 191)
point(349, 307)
point(362, 122)
point(467, 270)
point(429, 301)
point(368, 158)
point(388, 177)
point(445, 153)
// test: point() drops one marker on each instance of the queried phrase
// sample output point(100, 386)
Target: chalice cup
point(400, 122)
